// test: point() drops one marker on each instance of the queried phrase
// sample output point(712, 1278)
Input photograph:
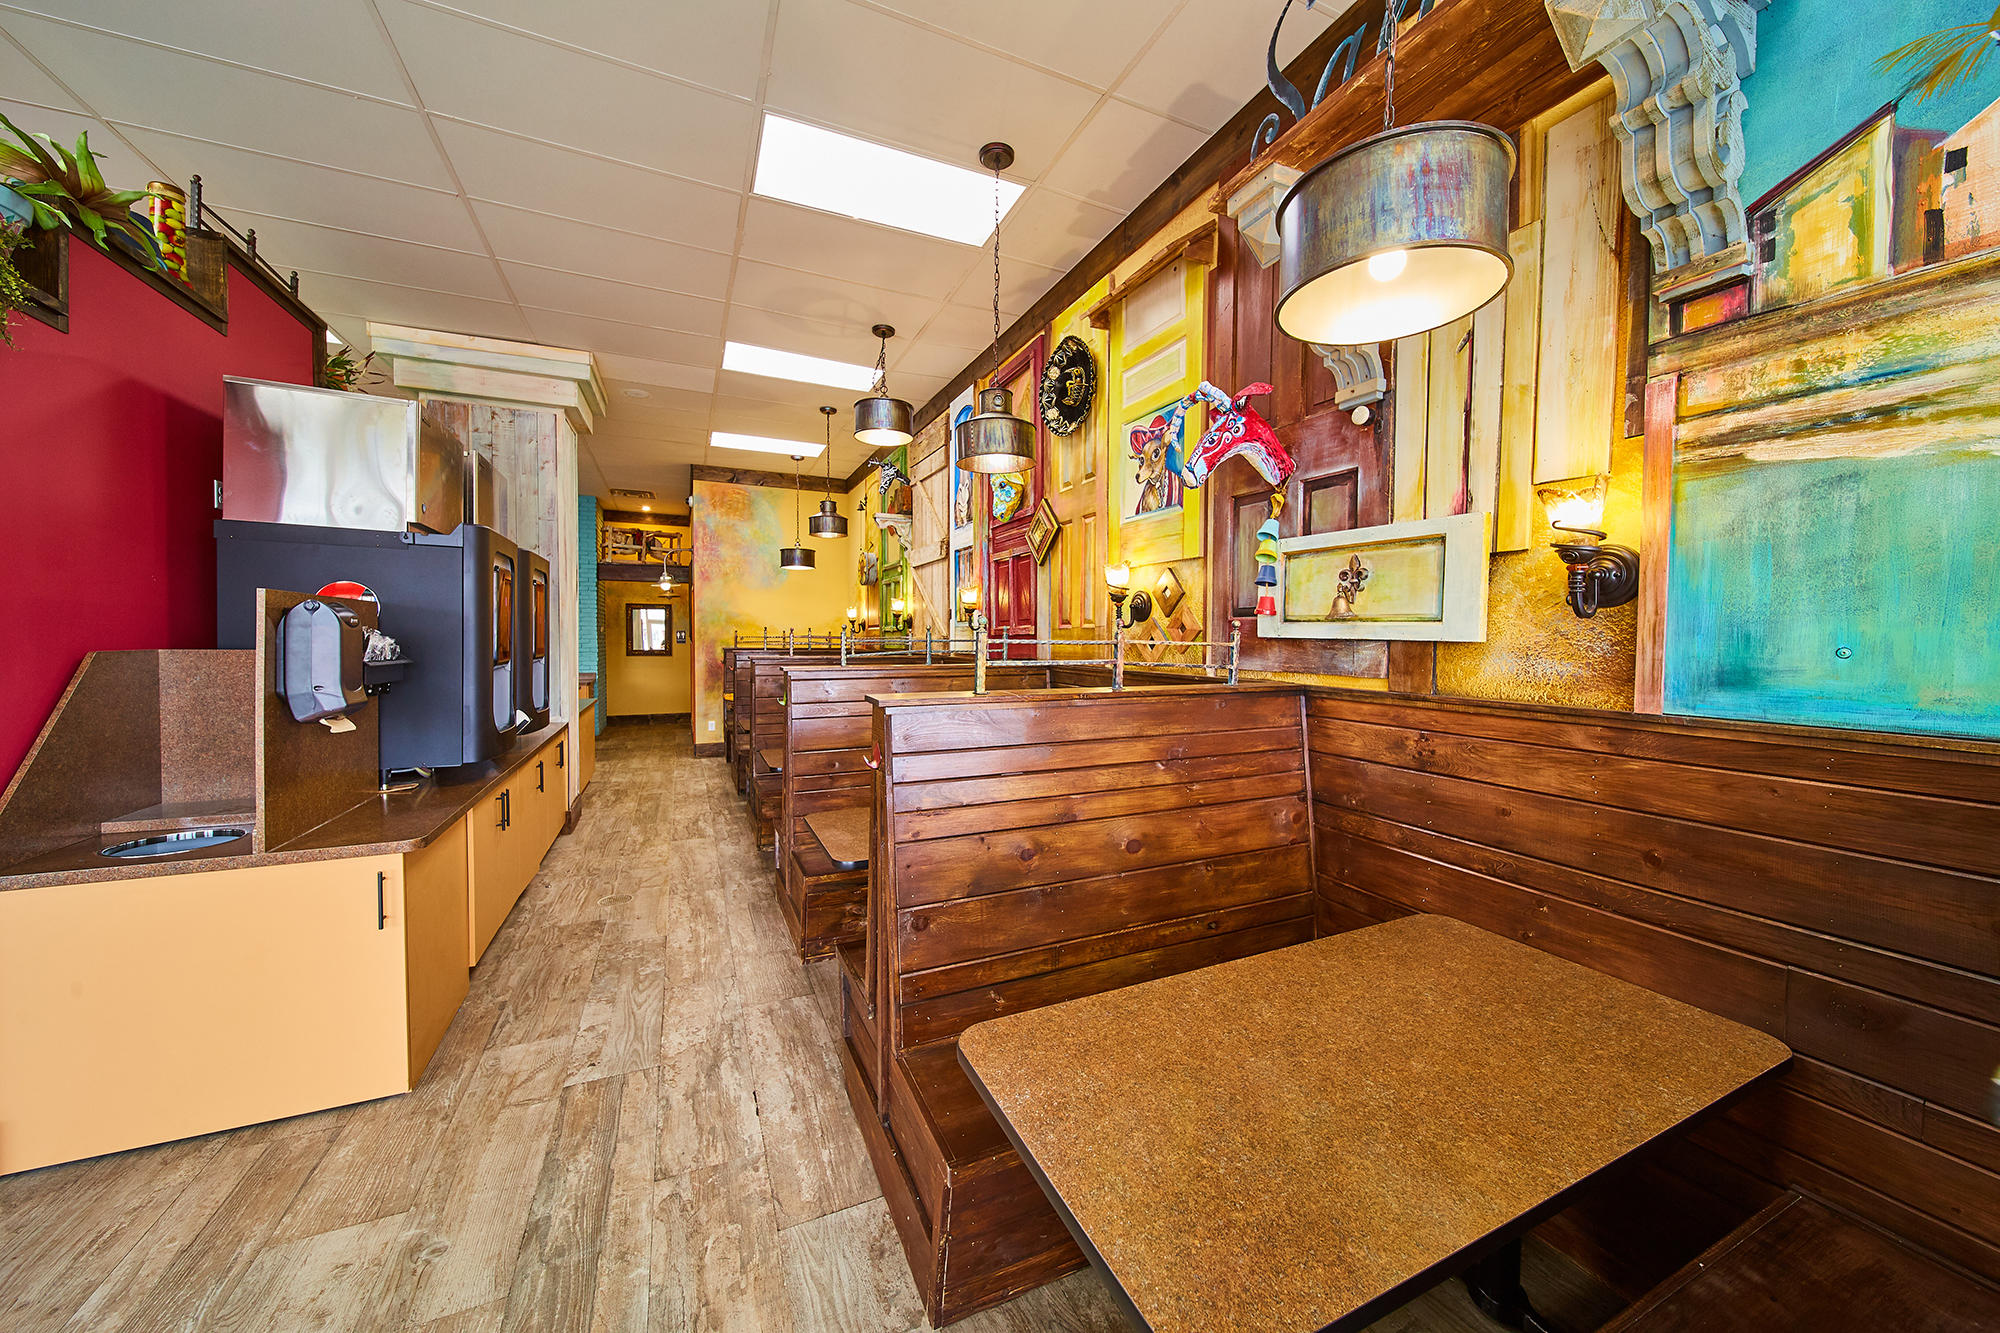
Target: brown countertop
point(774, 759)
point(1276, 1143)
point(382, 825)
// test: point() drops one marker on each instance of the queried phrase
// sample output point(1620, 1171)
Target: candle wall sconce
point(1601, 573)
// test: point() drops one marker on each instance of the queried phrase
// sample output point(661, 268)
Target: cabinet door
point(435, 934)
point(141, 1010)
point(490, 869)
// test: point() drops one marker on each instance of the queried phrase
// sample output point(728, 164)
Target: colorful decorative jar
point(166, 214)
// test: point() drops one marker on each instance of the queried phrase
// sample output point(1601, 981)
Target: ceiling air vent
point(631, 495)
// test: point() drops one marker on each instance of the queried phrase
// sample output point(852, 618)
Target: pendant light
point(882, 422)
point(829, 521)
point(995, 440)
point(1401, 233)
point(800, 556)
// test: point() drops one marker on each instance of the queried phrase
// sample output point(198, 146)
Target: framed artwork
point(1423, 580)
point(964, 485)
point(1168, 592)
point(1157, 349)
point(649, 630)
point(1151, 443)
point(1043, 530)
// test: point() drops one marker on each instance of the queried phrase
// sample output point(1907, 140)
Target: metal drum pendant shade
point(799, 556)
point(882, 422)
point(995, 440)
point(829, 521)
point(1401, 233)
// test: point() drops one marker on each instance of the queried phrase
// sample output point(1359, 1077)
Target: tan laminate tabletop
point(1275, 1142)
point(773, 759)
point(844, 833)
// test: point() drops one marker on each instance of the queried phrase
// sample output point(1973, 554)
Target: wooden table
point(773, 760)
point(1308, 1138)
point(845, 833)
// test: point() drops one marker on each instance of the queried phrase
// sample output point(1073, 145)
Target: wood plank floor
point(635, 1125)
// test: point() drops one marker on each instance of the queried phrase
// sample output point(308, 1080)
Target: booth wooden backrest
point(729, 706)
point(825, 724)
point(1838, 890)
point(745, 687)
point(1029, 848)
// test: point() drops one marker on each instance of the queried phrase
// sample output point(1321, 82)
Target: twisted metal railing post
point(927, 645)
point(1235, 650)
point(788, 641)
point(979, 652)
point(843, 645)
point(1117, 654)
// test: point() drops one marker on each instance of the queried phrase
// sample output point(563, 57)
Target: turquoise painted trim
point(1778, 567)
point(1816, 79)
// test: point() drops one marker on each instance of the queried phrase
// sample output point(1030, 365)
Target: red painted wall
point(110, 441)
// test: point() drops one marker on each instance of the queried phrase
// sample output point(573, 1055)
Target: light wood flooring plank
point(812, 1146)
point(844, 1273)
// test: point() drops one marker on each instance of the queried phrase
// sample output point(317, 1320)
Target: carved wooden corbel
point(1357, 374)
point(1255, 209)
point(1677, 67)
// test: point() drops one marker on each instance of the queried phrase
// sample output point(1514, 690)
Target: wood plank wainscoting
point(1839, 890)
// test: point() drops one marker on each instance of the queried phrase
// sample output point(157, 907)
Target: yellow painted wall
point(644, 685)
point(738, 587)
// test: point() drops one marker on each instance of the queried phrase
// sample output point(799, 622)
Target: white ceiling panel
point(715, 45)
point(535, 176)
point(335, 42)
point(578, 247)
point(234, 179)
point(144, 85)
point(1089, 42)
point(386, 303)
point(575, 173)
point(25, 81)
point(665, 374)
point(599, 298)
point(794, 237)
point(374, 258)
point(936, 96)
point(473, 71)
point(1051, 230)
point(567, 330)
point(1122, 154)
point(1212, 58)
point(848, 305)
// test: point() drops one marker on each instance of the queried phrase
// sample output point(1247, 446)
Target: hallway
point(636, 1123)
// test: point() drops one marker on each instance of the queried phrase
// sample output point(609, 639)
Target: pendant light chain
point(1389, 67)
point(798, 501)
point(996, 268)
point(881, 374)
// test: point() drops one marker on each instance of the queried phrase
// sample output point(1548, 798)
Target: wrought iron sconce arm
point(1601, 573)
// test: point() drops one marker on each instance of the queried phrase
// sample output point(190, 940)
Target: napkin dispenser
point(319, 647)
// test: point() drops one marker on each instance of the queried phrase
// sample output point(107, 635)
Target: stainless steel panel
point(292, 454)
point(440, 478)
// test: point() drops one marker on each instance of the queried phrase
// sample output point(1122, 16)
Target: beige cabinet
point(137, 1011)
point(508, 833)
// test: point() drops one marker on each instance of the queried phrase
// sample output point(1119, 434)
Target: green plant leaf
point(87, 173)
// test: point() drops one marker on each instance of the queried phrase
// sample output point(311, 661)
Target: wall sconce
point(896, 608)
point(1128, 608)
point(854, 616)
point(968, 603)
point(1600, 573)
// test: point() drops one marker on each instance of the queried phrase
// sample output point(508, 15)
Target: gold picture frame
point(1043, 530)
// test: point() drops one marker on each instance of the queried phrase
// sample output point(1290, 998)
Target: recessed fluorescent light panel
point(835, 173)
point(763, 444)
point(777, 365)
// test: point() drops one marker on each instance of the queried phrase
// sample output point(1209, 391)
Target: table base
point(1495, 1284)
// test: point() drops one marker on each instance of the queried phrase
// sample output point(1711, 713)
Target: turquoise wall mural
point(1840, 592)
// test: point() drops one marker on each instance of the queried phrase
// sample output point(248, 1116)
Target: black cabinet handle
point(381, 908)
point(503, 808)
point(541, 778)
point(560, 759)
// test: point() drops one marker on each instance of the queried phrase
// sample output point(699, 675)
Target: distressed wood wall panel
point(1839, 891)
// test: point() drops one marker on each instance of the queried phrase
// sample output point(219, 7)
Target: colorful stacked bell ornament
point(1267, 560)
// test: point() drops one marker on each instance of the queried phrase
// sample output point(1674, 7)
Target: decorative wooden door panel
point(1011, 497)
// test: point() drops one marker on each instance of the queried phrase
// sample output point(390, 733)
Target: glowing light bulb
point(1389, 265)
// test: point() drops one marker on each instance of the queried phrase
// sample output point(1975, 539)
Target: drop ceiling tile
point(233, 179)
point(131, 83)
point(934, 362)
point(1121, 155)
point(963, 328)
point(300, 245)
point(715, 45)
point(640, 370)
point(652, 399)
point(837, 340)
point(936, 96)
point(475, 72)
point(601, 252)
point(753, 415)
point(599, 298)
point(1021, 285)
point(859, 252)
point(1211, 59)
point(26, 83)
point(791, 393)
point(828, 301)
point(120, 166)
point(334, 42)
point(1051, 230)
point(1089, 42)
point(534, 176)
point(331, 294)
point(603, 335)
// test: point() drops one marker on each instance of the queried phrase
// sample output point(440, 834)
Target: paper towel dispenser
point(319, 646)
